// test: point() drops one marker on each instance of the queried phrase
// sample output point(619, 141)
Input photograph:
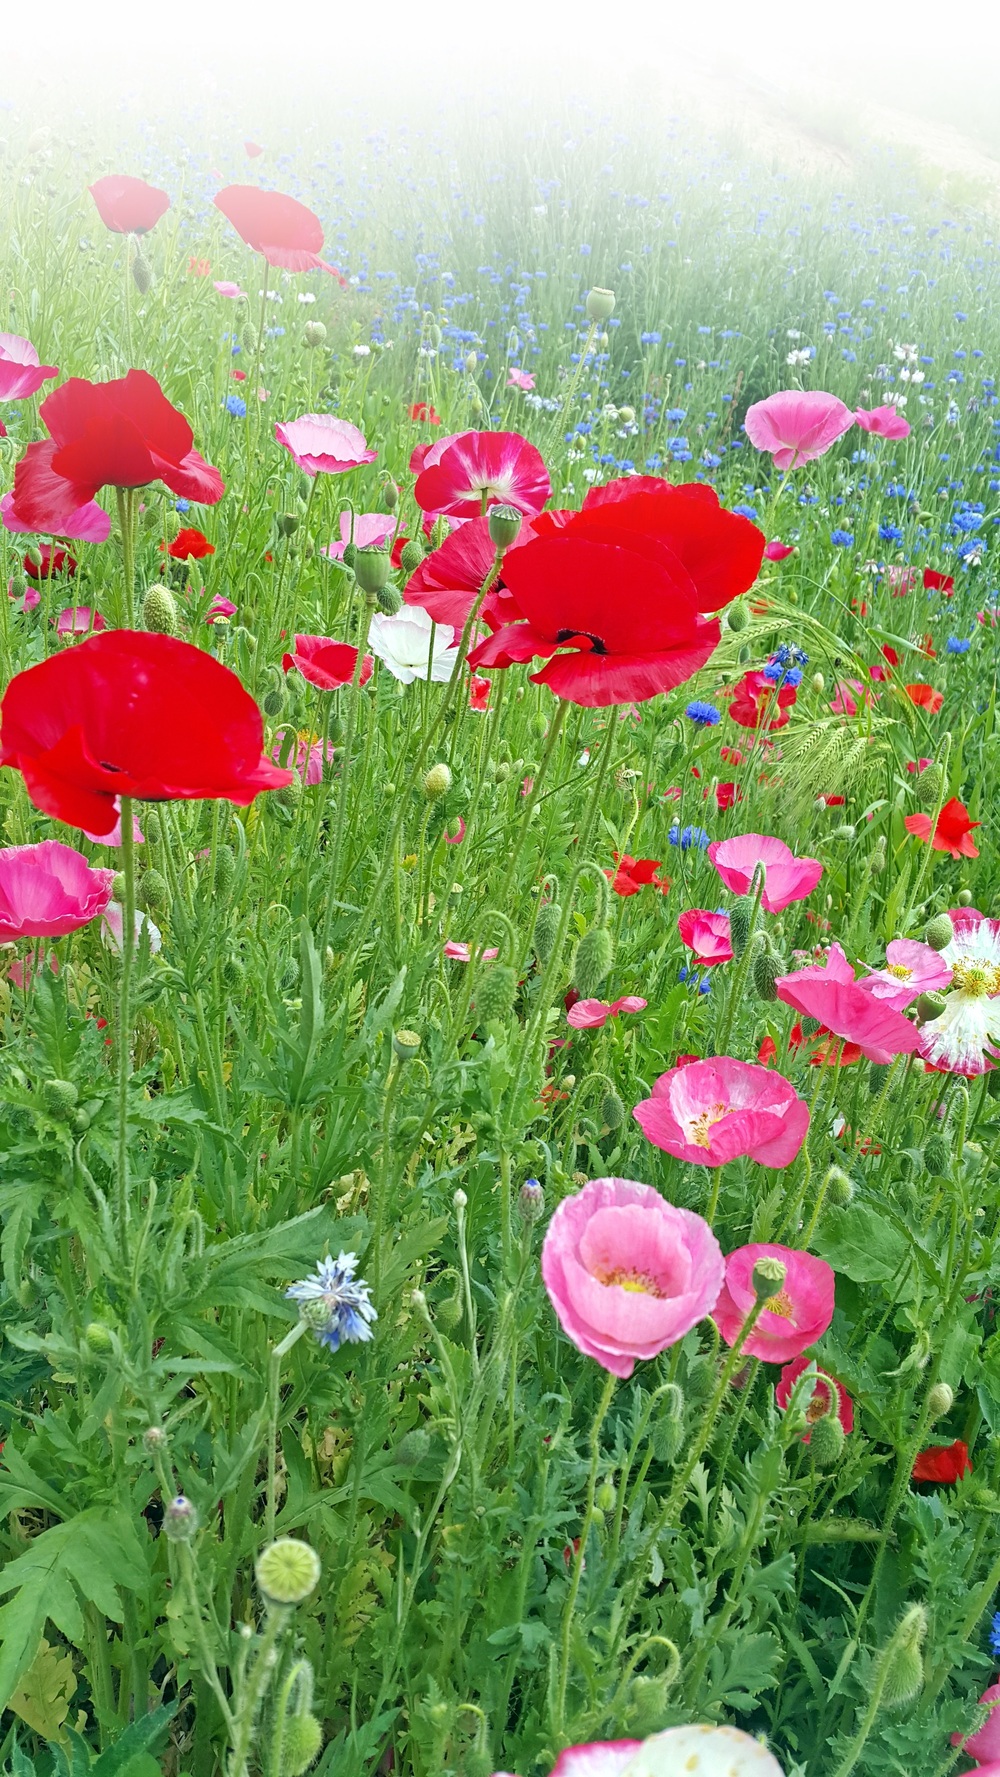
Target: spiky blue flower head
point(778, 674)
point(686, 837)
point(956, 645)
point(236, 406)
point(786, 654)
point(334, 1303)
point(995, 1635)
point(842, 539)
point(704, 714)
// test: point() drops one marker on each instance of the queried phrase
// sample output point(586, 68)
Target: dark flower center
point(569, 635)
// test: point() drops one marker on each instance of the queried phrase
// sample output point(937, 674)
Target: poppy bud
point(879, 856)
point(411, 556)
point(530, 1201)
point(18, 585)
point(930, 1005)
point(900, 1670)
point(437, 781)
point(287, 523)
point(740, 924)
point(826, 1441)
point(612, 1109)
point(627, 416)
point(290, 795)
point(233, 972)
point(765, 968)
point(546, 929)
point(965, 897)
point(737, 616)
point(38, 140)
point(929, 787)
point(504, 523)
point(33, 555)
point(413, 1446)
point(595, 954)
point(600, 304)
point(936, 1156)
point(939, 932)
point(301, 1741)
point(287, 1571)
point(667, 1430)
point(313, 334)
point(502, 771)
point(59, 1098)
point(97, 1336)
point(159, 612)
point(371, 569)
point(180, 1520)
point(152, 890)
point(495, 992)
point(434, 335)
point(818, 683)
point(142, 274)
point(389, 495)
point(768, 1277)
point(839, 1188)
point(225, 870)
point(940, 1400)
point(273, 701)
point(389, 599)
point(249, 338)
point(606, 1498)
point(405, 1044)
point(471, 360)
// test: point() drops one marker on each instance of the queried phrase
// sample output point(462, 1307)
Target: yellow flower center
point(976, 978)
point(700, 1126)
point(781, 1304)
point(636, 1282)
point(900, 970)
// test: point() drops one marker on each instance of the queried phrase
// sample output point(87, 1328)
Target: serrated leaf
point(43, 1696)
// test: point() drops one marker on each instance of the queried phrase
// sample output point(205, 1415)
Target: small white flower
point(307, 296)
point(403, 644)
point(362, 351)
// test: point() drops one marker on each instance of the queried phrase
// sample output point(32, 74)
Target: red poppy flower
point(732, 755)
point(448, 581)
point(189, 545)
point(950, 832)
point(326, 663)
point(54, 561)
point(948, 1462)
point(925, 697)
point(128, 206)
point(632, 874)
point(253, 149)
point(484, 465)
point(768, 1052)
point(759, 703)
point(122, 433)
point(285, 231)
point(423, 411)
point(726, 795)
point(199, 268)
point(479, 692)
point(621, 603)
point(935, 582)
point(131, 714)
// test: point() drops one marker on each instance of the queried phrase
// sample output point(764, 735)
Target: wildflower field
point(499, 1150)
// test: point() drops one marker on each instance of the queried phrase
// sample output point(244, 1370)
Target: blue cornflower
point(182, 506)
point(955, 645)
point(842, 539)
point(236, 406)
point(333, 1304)
point(786, 654)
point(686, 837)
point(890, 533)
point(995, 1634)
point(705, 714)
point(703, 982)
point(782, 675)
point(746, 512)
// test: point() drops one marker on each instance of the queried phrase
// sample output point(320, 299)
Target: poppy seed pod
point(600, 304)
point(595, 954)
point(437, 781)
point(313, 334)
point(371, 569)
point(504, 523)
point(159, 612)
point(737, 616)
point(287, 523)
point(768, 1277)
point(405, 1044)
point(411, 556)
point(930, 1005)
point(939, 932)
point(287, 1571)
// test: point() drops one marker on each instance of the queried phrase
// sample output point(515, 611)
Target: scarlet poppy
point(633, 874)
point(935, 582)
point(131, 714)
point(279, 227)
point(425, 411)
point(950, 831)
point(127, 205)
point(122, 433)
point(54, 561)
point(253, 149)
point(189, 545)
point(948, 1462)
point(925, 697)
point(326, 663)
point(759, 703)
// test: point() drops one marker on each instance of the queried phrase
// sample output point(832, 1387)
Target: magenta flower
point(78, 620)
point(321, 442)
point(478, 466)
point(226, 287)
point(20, 372)
point(984, 1745)
point(787, 878)
point(847, 1008)
point(884, 422)
point(520, 379)
point(88, 524)
point(795, 1318)
point(711, 1112)
point(325, 663)
point(49, 889)
point(697, 1747)
point(220, 607)
point(850, 695)
point(627, 1273)
point(910, 970)
point(707, 934)
point(370, 529)
point(777, 551)
point(307, 759)
point(816, 1402)
point(461, 953)
point(592, 1014)
point(596, 1758)
point(795, 427)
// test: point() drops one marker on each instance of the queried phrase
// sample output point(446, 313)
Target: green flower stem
point(392, 1083)
point(125, 1027)
point(254, 1691)
point(713, 1201)
point(333, 879)
point(128, 518)
point(209, 1669)
point(742, 970)
point(559, 1711)
point(531, 800)
point(278, 1353)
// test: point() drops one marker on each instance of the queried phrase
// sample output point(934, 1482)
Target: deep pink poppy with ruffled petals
point(322, 442)
point(449, 580)
point(787, 878)
point(371, 530)
point(326, 663)
point(48, 890)
point(847, 1009)
point(21, 374)
point(495, 466)
point(884, 422)
point(710, 1112)
point(707, 934)
point(797, 427)
point(596, 1758)
point(592, 1014)
point(628, 1273)
point(798, 1315)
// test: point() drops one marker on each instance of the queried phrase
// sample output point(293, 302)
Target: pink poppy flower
point(776, 551)
point(592, 1014)
point(916, 766)
point(847, 1009)
point(23, 969)
point(114, 838)
point(78, 620)
point(461, 953)
point(598, 1758)
point(707, 934)
point(113, 929)
point(32, 597)
point(424, 456)
point(795, 427)
point(818, 1404)
point(127, 205)
point(910, 970)
point(220, 607)
point(279, 227)
point(711, 1112)
point(628, 1273)
point(520, 379)
point(448, 582)
point(458, 835)
point(884, 422)
point(307, 759)
point(710, 1751)
point(850, 696)
point(253, 149)
point(484, 465)
point(226, 287)
point(985, 1743)
point(325, 663)
point(787, 878)
point(49, 889)
point(320, 441)
point(795, 1318)
point(21, 374)
point(370, 529)
point(88, 524)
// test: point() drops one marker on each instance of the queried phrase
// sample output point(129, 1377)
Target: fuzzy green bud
point(765, 968)
point(839, 1188)
point(142, 274)
point(505, 524)
point(249, 339)
point(273, 701)
point(405, 1044)
point(600, 304)
point(59, 1097)
point(287, 1571)
point(371, 569)
point(879, 856)
point(965, 897)
point(939, 932)
point(300, 1745)
point(900, 1669)
point(437, 781)
point(826, 1441)
point(290, 795)
point(159, 611)
point(768, 1277)
point(928, 790)
point(413, 1446)
point(737, 616)
point(97, 1338)
point(530, 1201)
point(313, 334)
point(940, 1400)
point(350, 555)
point(388, 495)
point(389, 599)
point(495, 991)
point(152, 890)
point(818, 684)
point(595, 954)
point(741, 923)
point(411, 556)
point(612, 1109)
point(546, 929)
point(878, 1073)
point(936, 1156)
point(225, 871)
point(606, 1497)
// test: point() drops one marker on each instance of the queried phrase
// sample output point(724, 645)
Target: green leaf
point(45, 1691)
point(133, 1745)
point(861, 1244)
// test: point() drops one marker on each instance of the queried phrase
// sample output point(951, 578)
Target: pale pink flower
point(461, 953)
point(48, 890)
point(520, 379)
point(711, 1112)
point(307, 758)
point(226, 287)
point(113, 924)
point(910, 970)
point(697, 1749)
point(371, 529)
point(114, 838)
point(965, 1038)
point(628, 1273)
point(20, 372)
point(795, 1318)
point(787, 878)
point(592, 1014)
point(322, 442)
point(707, 935)
point(850, 696)
point(884, 422)
point(795, 427)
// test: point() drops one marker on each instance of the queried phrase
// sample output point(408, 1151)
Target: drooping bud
point(879, 856)
point(471, 360)
point(142, 273)
point(388, 495)
point(546, 930)
point(818, 684)
point(939, 932)
point(300, 1744)
point(839, 1187)
point(765, 968)
point(600, 304)
point(411, 556)
point(405, 1044)
point(768, 1277)
point(965, 897)
point(495, 991)
point(940, 1400)
point(505, 525)
point(737, 616)
point(249, 338)
point(437, 781)
point(900, 1669)
point(290, 795)
point(273, 701)
point(606, 1498)
point(313, 334)
point(287, 1571)
point(97, 1338)
point(159, 611)
point(350, 555)
point(530, 1201)
point(371, 569)
point(413, 1446)
point(225, 871)
point(595, 954)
